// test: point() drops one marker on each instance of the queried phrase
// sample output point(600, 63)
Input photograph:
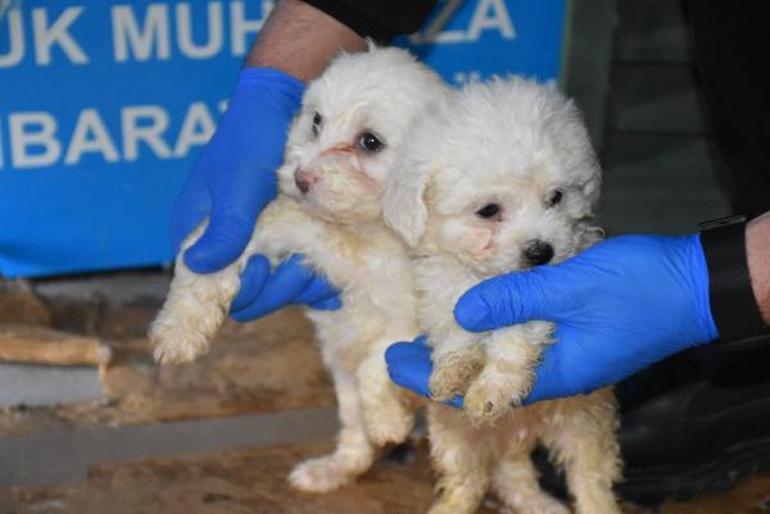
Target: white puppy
point(340, 149)
point(501, 177)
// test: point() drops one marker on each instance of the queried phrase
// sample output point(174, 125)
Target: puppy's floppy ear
point(404, 207)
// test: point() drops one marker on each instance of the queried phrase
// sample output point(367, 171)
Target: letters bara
point(37, 142)
point(142, 34)
point(45, 37)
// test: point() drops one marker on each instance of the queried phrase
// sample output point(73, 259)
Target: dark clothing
point(379, 20)
point(732, 46)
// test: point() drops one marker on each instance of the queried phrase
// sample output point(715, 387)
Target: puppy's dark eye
point(488, 211)
point(555, 197)
point(370, 143)
point(317, 120)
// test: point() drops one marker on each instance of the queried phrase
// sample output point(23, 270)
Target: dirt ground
point(253, 481)
point(267, 366)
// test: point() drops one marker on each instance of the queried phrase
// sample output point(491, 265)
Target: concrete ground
point(219, 435)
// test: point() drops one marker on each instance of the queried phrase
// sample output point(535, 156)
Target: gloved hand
point(410, 366)
point(292, 283)
point(620, 306)
point(232, 181)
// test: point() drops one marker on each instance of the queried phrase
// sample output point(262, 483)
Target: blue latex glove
point(232, 181)
point(292, 283)
point(410, 366)
point(620, 306)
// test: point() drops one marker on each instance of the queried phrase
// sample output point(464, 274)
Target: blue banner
point(104, 105)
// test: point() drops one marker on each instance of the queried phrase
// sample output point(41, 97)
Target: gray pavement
point(64, 456)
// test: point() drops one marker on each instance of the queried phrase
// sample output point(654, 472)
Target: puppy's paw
point(453, 372)
point(321, 475)
point(495, 391)
point(175, 345)
point(484, 403)
point(446, 381)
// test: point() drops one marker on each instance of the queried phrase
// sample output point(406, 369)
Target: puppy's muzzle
point(538, 252)
point(304, 179)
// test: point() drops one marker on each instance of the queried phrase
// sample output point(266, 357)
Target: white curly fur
point(511, 143)
point(337, 224)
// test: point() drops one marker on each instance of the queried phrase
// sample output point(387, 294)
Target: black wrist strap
point(377, 19)
point(733, 304)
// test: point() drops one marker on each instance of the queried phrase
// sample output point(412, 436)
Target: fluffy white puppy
point(340, 148)
point(501, 177)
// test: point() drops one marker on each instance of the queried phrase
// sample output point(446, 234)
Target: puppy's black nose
point(538, 252)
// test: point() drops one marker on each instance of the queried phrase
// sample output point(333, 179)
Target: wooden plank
point(39, 345)
point(652, 32)
point(655, 98)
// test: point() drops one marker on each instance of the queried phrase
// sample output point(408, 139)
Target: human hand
point(619, 306)
point(263, 291)
point(410, 366)
point(234, 176)
point(231, 182)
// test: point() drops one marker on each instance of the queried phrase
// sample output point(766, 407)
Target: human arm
point(234, 176)
point(758, 257)
point(300, 40)
point(619, 306)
